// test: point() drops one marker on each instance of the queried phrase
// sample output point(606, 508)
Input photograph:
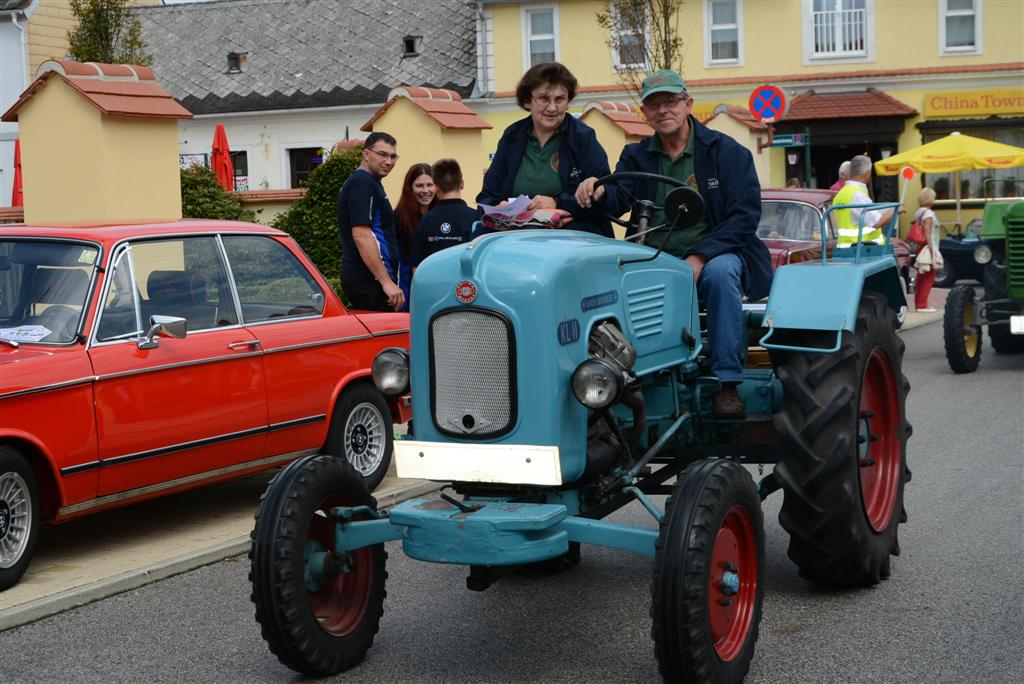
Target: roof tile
point(866, 103)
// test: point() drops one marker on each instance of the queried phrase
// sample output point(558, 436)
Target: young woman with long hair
point(418, 196)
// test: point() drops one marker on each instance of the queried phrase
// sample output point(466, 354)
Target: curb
point(105, 588)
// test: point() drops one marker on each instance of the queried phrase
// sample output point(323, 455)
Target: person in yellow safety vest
point(855, 192)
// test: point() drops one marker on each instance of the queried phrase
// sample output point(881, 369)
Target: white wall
point(267, 136)
point(12, 83)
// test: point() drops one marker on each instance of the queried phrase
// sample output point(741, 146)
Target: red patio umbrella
point(17, 197)
point(220, 160)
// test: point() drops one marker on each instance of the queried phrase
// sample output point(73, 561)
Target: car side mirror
point(163, 326)
point(684, 207)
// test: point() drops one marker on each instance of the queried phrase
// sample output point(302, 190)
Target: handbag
point(916, 233)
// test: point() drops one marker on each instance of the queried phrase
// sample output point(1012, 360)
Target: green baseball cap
point(662, 81)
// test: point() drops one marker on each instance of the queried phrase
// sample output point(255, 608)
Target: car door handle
point(252, 344)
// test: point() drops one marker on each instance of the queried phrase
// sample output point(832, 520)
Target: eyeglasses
point(544, 100)
point(385, 155)
point(663, 103)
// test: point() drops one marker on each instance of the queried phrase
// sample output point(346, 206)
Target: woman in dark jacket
point(547, 154)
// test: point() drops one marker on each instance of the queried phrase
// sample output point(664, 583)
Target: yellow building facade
point(932, 67)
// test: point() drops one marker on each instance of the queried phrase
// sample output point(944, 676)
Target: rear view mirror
point(163, 326)
point(684, 207)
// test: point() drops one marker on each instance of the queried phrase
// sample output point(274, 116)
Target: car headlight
point(390, 371)
point(983, 254)
point(597, 383)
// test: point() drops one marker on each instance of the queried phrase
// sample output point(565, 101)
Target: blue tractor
point(558, 376)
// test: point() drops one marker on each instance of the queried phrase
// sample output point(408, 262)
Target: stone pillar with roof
point(99, 145)
point(431, 124)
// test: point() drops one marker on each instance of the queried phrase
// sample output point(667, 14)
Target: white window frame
point(944, 12)
point(617, 65)
point(286, 160)
point(708, 27)
point(811, 59)
point(527, 10)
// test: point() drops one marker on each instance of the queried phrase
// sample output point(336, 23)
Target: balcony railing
point(839, 33)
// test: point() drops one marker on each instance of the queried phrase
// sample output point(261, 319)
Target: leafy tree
point(203, 197)
point(107, 32)
point(313, 220)
point(645, 34)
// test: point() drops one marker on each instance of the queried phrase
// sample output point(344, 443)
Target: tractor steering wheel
point(682, 205)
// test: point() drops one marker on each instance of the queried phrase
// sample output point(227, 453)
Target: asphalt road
point(952, 611)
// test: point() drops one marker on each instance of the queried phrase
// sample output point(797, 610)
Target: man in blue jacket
point(726, 256)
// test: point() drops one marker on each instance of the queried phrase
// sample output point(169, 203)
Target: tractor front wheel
point(318, 617)
point(844, 422)
point(708, 575)
point(961, 334)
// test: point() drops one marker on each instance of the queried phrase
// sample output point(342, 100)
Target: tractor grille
point(472, 367)
point(646, 310)
point(1015, 259)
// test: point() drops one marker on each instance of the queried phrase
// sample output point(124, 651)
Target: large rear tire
point(315, 624)
point(844, 423)
point(961, 335)
point(708, 575)
point(1005, 342)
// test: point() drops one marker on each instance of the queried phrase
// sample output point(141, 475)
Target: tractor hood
point(543, 291)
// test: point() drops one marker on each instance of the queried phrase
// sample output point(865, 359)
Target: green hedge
point(313, 220)
point(202, 197)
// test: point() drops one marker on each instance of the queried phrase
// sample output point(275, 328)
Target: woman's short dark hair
point(548, 73)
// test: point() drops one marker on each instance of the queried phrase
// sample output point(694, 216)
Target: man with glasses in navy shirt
point(366, 223)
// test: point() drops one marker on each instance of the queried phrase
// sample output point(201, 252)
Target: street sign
point(768, 103)
point(790, 140)
point(907, 173)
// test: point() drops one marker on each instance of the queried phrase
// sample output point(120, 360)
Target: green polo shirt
point(538, 172)
point(681, 168)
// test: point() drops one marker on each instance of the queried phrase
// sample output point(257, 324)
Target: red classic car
point(791, 228)
point(141, 360)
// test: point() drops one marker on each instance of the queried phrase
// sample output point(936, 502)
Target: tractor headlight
point(983, 254)
point(597, 383)
point(390, 371)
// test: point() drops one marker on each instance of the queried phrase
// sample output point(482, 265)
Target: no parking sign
point(768, 103)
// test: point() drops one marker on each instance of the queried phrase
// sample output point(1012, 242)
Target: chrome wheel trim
point(365, 421)
point(14, 494)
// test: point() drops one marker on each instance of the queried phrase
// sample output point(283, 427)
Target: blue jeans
point(720, 291)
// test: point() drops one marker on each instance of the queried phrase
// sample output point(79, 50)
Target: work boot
point(728, 404)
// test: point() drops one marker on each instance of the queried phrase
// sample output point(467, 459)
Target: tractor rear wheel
point(844, 423)
point(708, 575)
point(1005, 342)
point(317, 620)
point(961, 334)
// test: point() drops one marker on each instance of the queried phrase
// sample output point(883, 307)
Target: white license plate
point(1017, 325)
point(502, 463)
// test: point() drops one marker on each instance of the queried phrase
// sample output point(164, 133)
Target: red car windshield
point(789, 221)
point(43, 289)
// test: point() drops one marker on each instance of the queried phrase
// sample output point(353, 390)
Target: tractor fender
point(816, 295)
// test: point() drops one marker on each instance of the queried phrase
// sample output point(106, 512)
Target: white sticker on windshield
point(88, 256)
point(25, 333)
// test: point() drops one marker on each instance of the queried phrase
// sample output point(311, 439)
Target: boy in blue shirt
point(451, 220)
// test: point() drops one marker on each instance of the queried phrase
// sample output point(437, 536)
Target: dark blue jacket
point(580, 156)
point(728, 183)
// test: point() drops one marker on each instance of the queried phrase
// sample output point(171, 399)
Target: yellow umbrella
point(955, 152)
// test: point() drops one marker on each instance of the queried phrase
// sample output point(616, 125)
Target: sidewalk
point(101, 555)
point(105, 554)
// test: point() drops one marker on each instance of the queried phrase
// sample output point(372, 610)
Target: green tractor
point(1001, 307)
